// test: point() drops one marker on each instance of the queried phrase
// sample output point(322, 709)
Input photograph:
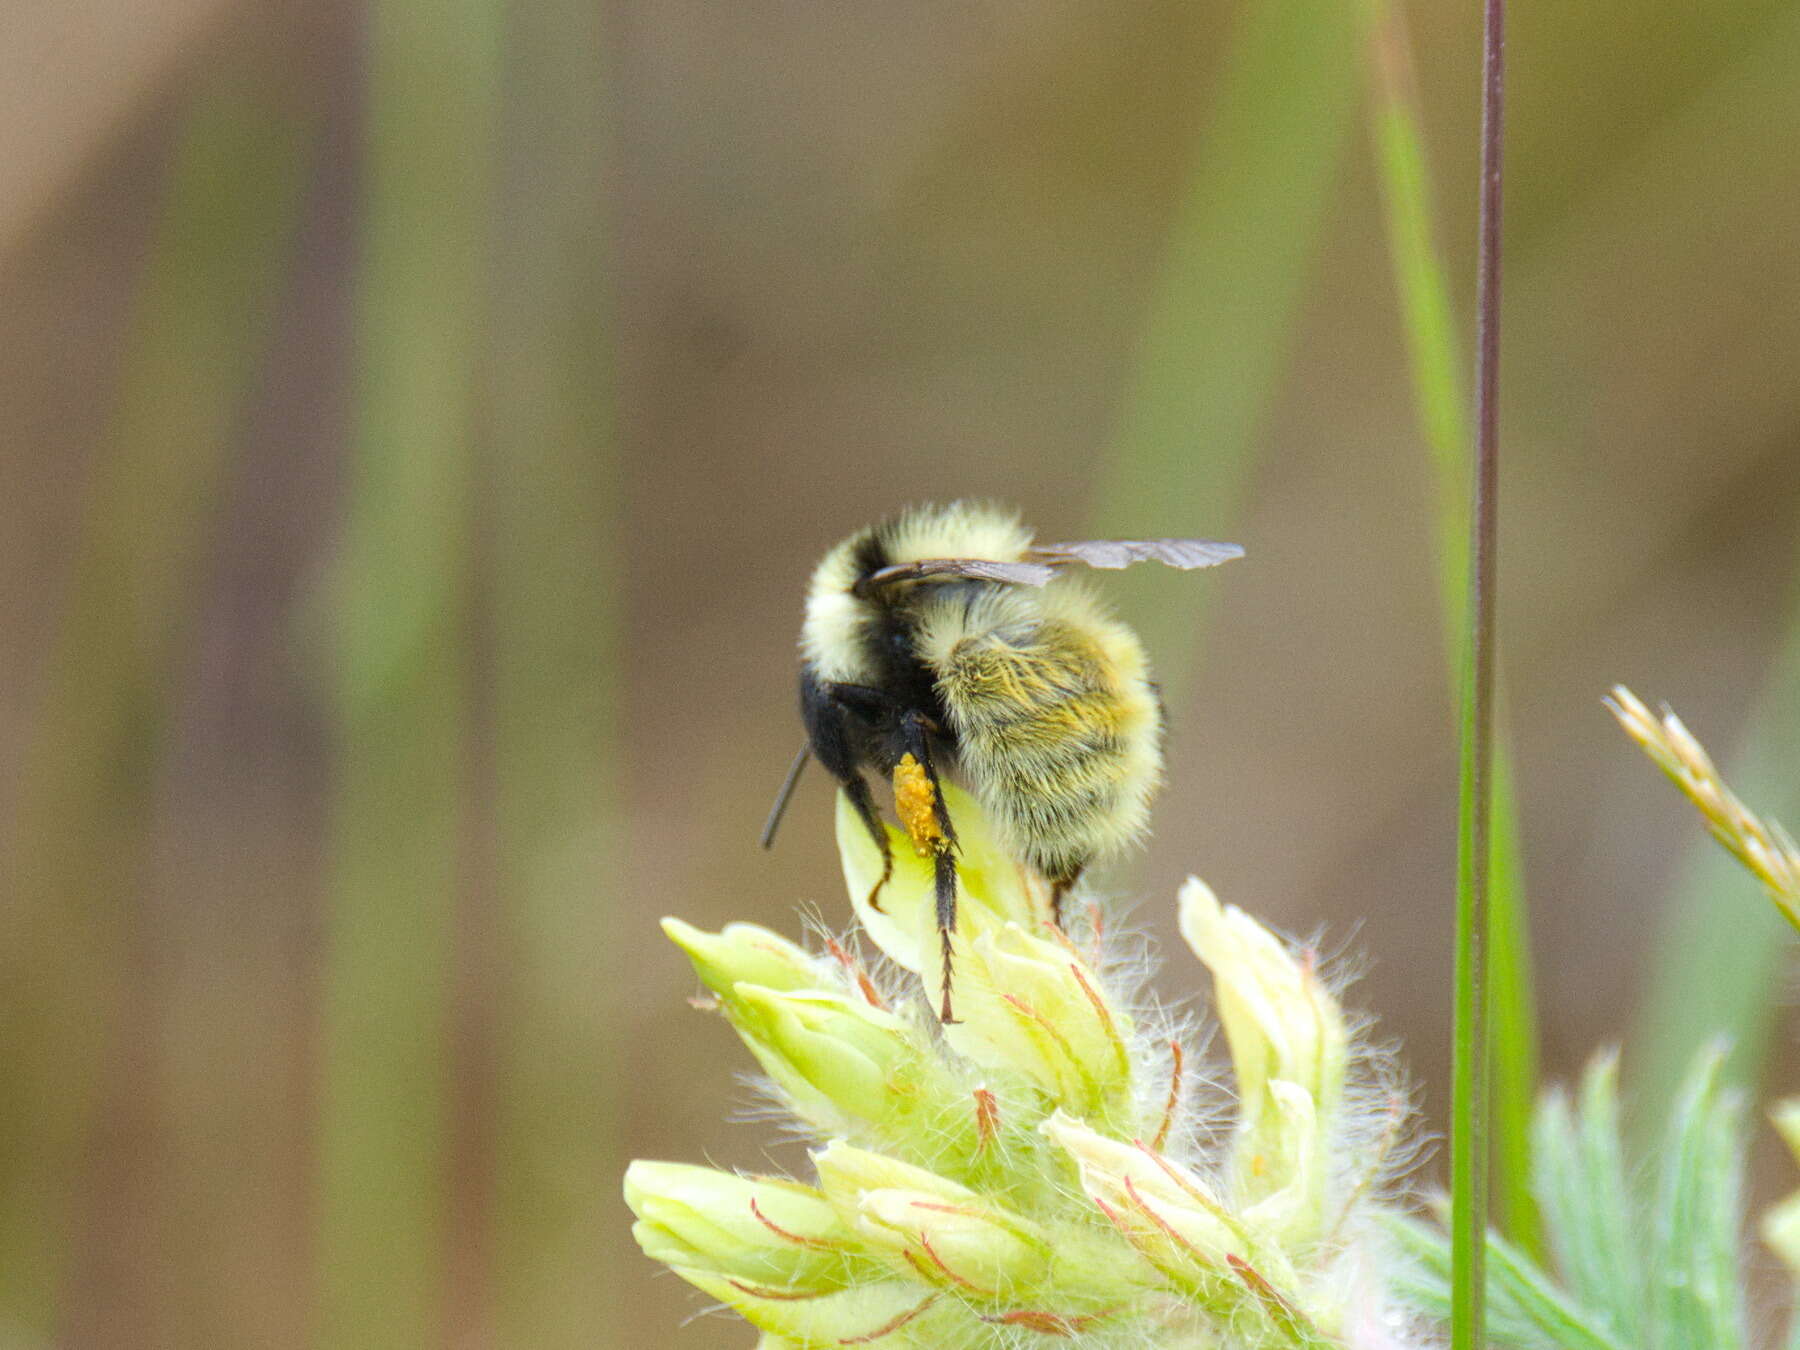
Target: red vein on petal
point(1051, 1030)
point(894, 1324)
point(823, 1244)
point(949, 1274)
point(1167, 1229)
point(1049, 1323)
point(1106, 1018)
point(1291, 1319)
point(778, 1295)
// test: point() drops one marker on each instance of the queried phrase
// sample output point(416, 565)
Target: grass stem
point(1434, 353)
point(1469, 1128)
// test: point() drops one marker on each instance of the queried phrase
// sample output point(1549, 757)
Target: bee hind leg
point(863, 801)
point(937, 833)
point(1060, 886)
point(944, 876)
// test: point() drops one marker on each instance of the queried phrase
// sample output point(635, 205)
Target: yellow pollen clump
point(915, 801)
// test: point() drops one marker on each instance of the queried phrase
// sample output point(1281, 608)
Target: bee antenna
point(787, 791)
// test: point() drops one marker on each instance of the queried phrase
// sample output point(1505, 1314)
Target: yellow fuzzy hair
point(830, 639)
point(1058, 727)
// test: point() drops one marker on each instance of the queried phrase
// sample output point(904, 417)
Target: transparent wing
point(1114, 553)
point(1034, 573)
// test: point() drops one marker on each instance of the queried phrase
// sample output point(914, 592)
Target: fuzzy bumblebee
point(944, 640)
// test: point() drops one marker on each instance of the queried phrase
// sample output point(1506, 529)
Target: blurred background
point(420, 421)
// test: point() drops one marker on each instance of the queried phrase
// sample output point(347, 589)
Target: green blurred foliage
point(421, 422)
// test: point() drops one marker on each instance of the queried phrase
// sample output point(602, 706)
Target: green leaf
point(1589, 1215)
point(1525, 1308)
point(1697, 1296)
point(1667, 1276)
point(1518, 1285)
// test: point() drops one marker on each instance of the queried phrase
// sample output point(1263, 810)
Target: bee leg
point(1059, 887)
point(916, 728)
point(857, 788)
point(944, 875)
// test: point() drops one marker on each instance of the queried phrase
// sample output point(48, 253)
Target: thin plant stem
point(1441, 404)
point(1469, 1129)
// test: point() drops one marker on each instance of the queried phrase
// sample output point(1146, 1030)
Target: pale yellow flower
point(944, 1233)
point(764, 1230)
point(1781, 1225)
point(1027, 1174)
point(1289, 1055)
point(1031, 1005)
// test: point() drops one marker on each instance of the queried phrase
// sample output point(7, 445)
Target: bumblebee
point(945, 641)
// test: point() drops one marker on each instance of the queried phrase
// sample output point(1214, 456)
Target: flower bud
point(1280, 1024)
point(845, 1172)
point(743, 953)
point(1781, 1225)
point(861, 1314)
point(969, 1246)
point(1031, 1006)
point(762, 1230)
point(934, 1228)
point(1290, 1167)
point(833, 1052)
point(1173, 1217)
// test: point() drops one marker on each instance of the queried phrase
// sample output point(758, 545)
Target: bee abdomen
point(1061, 744)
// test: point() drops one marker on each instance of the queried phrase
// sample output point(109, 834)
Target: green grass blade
point(1221, 321)
point(1471, 1123)
point(554, 505)
point(400, 682)
point(1434, 347)
point(1696, 1297)
point(1514, 1011)
point(1435, 360)
point(1722, 946)
point(199, 329)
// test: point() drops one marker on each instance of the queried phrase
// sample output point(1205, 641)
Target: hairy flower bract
point(1054, 1167)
